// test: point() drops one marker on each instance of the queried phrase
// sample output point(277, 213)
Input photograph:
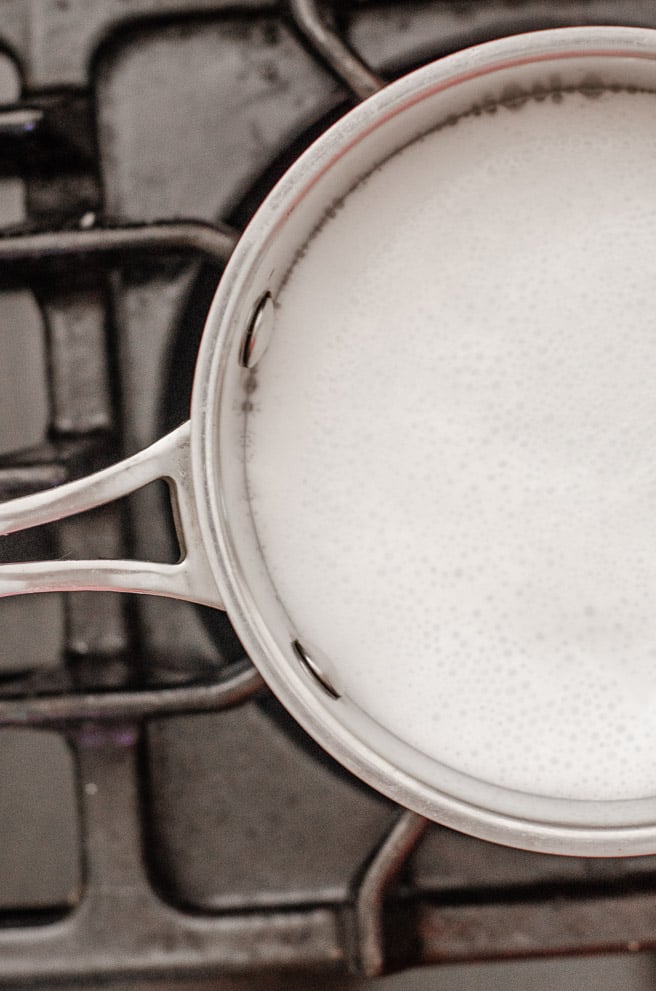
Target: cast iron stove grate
point(173, 118)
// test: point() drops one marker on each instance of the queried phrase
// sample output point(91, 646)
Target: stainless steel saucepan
point(203, 461)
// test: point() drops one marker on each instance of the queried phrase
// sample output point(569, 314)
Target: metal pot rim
point(606, 834)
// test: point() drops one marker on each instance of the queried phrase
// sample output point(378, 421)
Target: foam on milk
point(451, 455)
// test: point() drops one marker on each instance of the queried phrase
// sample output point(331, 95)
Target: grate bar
point(23, 479)
point(376, 881)
point(605, 923)
point(214, 242)
point(19, 121)
point(328, 45)
point(50, 464)
point(240, 684)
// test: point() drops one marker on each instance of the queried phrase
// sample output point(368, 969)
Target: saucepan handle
point(190, 578)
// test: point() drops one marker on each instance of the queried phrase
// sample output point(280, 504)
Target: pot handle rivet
point(258, 333)
point(309, 663)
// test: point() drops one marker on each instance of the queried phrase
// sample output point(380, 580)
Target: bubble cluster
point(452, 461)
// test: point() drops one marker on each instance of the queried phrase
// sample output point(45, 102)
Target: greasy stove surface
point(212, 836)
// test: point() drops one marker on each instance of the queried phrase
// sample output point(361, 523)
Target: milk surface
point(451, 455)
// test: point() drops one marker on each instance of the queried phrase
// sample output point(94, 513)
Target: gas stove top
point(161, 815)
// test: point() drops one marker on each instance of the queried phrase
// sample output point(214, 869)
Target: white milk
point(452, 455)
